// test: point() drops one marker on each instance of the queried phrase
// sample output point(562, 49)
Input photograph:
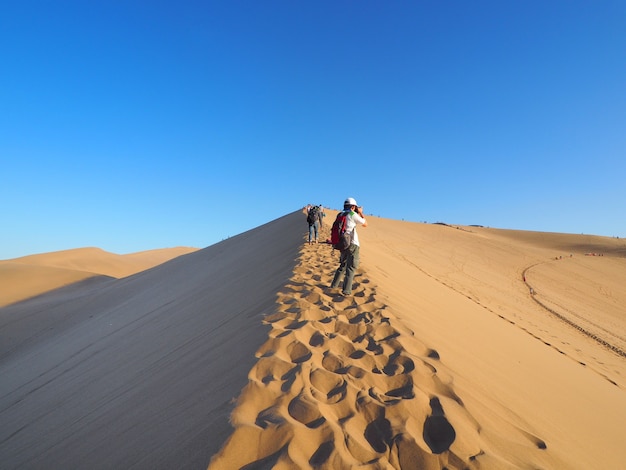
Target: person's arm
point(363, 221)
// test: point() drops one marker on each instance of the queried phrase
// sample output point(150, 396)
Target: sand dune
point(140, 372)
point(32, 275)
point(463, 292)
point(443, 358)
point(341, 382)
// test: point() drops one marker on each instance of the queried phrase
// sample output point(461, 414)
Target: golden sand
point(461, 348)
point(32, 275)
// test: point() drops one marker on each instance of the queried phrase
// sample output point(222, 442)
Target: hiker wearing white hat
point(349, 258)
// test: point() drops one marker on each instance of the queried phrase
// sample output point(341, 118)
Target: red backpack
point(339, 238)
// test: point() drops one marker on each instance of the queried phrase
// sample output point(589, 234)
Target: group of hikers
point(343, 237)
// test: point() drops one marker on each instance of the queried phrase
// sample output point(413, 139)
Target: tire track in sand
point(340, 383)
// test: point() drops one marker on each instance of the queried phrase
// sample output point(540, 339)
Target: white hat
point(350, 202)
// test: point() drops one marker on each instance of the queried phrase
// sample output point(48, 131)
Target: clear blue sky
point(133, 125)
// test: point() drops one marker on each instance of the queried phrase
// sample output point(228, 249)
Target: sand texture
point(341, 383)
point(140, 372)
point(442, 358)
point(461, 348)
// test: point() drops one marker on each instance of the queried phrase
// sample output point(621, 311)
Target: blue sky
point(134, 125)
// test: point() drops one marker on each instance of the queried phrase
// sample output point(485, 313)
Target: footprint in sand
point(432, 354)
point(275, 317)
point(347, 371)
point(353, 331)
point(385, 333)
point(296, 324)
point(379, 434)
point(298, 352)
point(364, 317)
point(322, 454)
point(289, 378)
point(389, 390)
point(269, 417)
point(317, 339)
point(373, 346)
point(314, 298)
point(267, 369)
point(438, 432)
point(327, 387)
point(334, 364)
point(306, 412)
point(357, 354)
point(399, 365)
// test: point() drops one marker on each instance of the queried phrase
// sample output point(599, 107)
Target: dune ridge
point(417, 370)
point(342, 383)
point(32, 275)
point(443, 357)
point(140, 372)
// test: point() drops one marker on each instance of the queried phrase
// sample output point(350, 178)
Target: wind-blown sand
point(442, 358)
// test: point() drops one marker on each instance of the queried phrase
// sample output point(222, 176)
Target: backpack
point(311, 218)
point(339, 238)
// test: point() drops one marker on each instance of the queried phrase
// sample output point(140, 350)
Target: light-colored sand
point(443, 358)
point(25, 277)
point(462, 291)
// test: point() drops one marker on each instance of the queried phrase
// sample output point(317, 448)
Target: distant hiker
point(321, 214)
point(313, 218)
point(349, 258)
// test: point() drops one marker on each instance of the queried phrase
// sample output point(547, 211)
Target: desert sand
point(25, 277)
point(462, 347)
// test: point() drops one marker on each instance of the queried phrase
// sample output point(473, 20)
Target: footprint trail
point(340, 383)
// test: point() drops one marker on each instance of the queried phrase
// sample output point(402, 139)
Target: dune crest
point(342, 383)
point(442, 358)
point(140, 372)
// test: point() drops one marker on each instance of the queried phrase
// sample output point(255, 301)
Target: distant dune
point(28, 276)
point(462, 348)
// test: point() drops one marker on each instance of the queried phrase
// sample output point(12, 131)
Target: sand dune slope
point(518, 368)
point(21, 281)
point(140, 372)
point(25, 277)
point(462, 348)
point(341, 383)
point(442, 359)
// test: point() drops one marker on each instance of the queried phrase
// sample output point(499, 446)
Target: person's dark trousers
point(313, 229)
point(348, 262)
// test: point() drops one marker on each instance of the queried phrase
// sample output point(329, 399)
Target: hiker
point(349, 258)
point(313, 218)
point(321, 215)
